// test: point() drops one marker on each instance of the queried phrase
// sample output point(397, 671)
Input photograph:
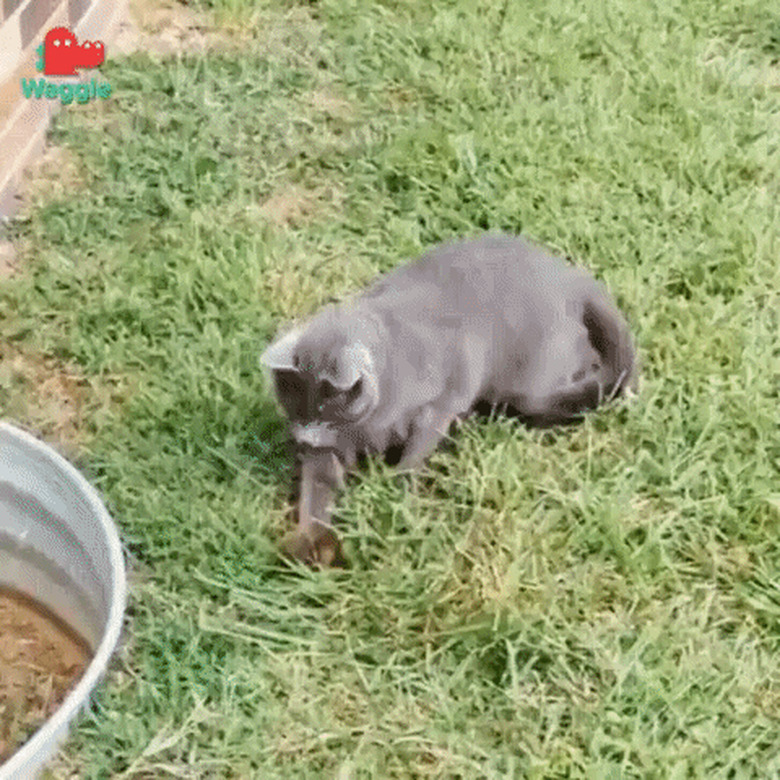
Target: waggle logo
point(60, 54)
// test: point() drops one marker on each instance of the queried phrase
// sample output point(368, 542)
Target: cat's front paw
point(319, 548)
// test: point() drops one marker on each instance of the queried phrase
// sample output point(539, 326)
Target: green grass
point(601, 602)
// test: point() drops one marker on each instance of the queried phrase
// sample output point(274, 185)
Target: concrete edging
point(23, 122)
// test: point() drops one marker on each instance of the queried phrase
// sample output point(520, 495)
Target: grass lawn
point(600, 602)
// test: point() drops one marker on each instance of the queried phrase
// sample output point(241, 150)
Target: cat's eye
point(327, 390)
point(355, 390)
point(289, 383)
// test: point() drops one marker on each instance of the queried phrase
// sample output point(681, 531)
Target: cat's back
point(475, 274)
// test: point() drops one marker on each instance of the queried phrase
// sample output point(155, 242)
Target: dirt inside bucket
point(41, 658)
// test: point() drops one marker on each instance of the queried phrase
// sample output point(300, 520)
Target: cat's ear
point(358, 373)
point(281, 354)
point(354, 363)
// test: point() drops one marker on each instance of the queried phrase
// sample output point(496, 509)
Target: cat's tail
point(609, 334)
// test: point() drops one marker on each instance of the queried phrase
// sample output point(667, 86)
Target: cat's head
point(326, 370)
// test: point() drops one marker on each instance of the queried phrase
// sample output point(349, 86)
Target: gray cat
point(490, 321)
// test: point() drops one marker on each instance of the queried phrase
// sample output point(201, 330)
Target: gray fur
point(492, 320)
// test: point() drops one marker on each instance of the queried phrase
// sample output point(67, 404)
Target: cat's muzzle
point(315, 434)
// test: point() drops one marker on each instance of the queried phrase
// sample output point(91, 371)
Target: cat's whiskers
point(616, 388)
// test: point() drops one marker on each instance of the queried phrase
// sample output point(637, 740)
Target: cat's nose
point(311, 405)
